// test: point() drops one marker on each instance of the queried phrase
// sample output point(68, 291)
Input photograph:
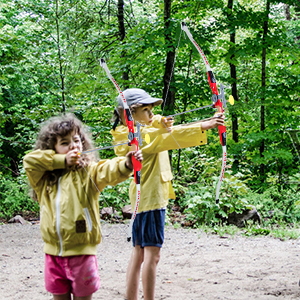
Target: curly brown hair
point(61, 126)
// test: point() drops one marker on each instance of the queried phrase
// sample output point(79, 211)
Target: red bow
point(133, 142)
point(216, 103)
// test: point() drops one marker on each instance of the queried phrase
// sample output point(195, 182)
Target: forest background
point(50, 53)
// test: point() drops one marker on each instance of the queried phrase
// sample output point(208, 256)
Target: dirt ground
point(193, 265)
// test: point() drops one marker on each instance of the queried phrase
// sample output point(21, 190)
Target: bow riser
point(213, 85)
point(137, 166)
point(222, 128)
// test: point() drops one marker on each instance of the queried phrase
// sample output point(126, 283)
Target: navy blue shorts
point(148, 228)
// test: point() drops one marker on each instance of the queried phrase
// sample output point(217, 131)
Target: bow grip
point(222, 128)
point(222, 134)
point(137, 170)
point(137, 165)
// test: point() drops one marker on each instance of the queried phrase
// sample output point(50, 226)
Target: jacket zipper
point(57, 200)
point(88, 218)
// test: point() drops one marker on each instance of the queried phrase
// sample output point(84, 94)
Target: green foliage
point(278, 203)
point(116, 197)
point(14, 197)
point(50, 63)
point(282, 232)
point(197, 198)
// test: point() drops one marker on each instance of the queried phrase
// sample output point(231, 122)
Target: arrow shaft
point(102, 148)
point(187, 111)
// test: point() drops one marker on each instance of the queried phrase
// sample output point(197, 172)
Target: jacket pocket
point(166, 176)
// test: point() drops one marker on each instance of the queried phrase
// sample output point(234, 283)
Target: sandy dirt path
point(193, 265)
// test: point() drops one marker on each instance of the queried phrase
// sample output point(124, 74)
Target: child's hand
point(168, 123)
point(137, 155)
point(72, 158)
point(217, 120)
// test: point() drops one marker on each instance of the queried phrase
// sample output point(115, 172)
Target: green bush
point(279, 203)
point(196, 193)
point(116, 197)
point(14, 197)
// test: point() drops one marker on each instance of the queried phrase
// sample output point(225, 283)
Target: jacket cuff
point(59, 161)
point(123, 169)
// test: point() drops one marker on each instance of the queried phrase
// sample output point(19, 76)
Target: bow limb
point(133, 142)
point(222, 134)
point(216, 103)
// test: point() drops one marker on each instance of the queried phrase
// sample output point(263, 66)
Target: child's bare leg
point(133, 273)
point(83, 298)
point(62, 297)
point(68, 297)
point(151, 259)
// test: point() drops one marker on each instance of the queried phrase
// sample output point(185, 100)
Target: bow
point(133, 142)
point(216, 99)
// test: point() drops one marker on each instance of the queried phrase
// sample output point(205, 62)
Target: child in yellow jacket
point(67, 188)
point(156, 176)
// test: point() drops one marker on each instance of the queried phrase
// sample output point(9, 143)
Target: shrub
point(14, 197)
point(198, 201)
point(278, 203)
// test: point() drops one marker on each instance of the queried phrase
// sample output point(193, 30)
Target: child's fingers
point(168, 121)
point(72, 157)
point(219, 121)
point(137, 154)
point(220, 115)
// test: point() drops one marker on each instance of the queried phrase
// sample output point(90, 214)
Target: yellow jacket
point(156, 175)
point(69, 209)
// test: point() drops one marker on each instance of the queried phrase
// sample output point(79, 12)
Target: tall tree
point(122, 34)
point(232, 32)
point(263, 85)
point(168, 92)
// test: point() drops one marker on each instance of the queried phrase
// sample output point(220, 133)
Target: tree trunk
point(263, 86)
point(122, 35)
point(168, 93)
point(287, 14)
point(235, 126)
point(61, 74)
point(297, 10)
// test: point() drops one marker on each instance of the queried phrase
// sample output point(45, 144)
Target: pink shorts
point(75, 274)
